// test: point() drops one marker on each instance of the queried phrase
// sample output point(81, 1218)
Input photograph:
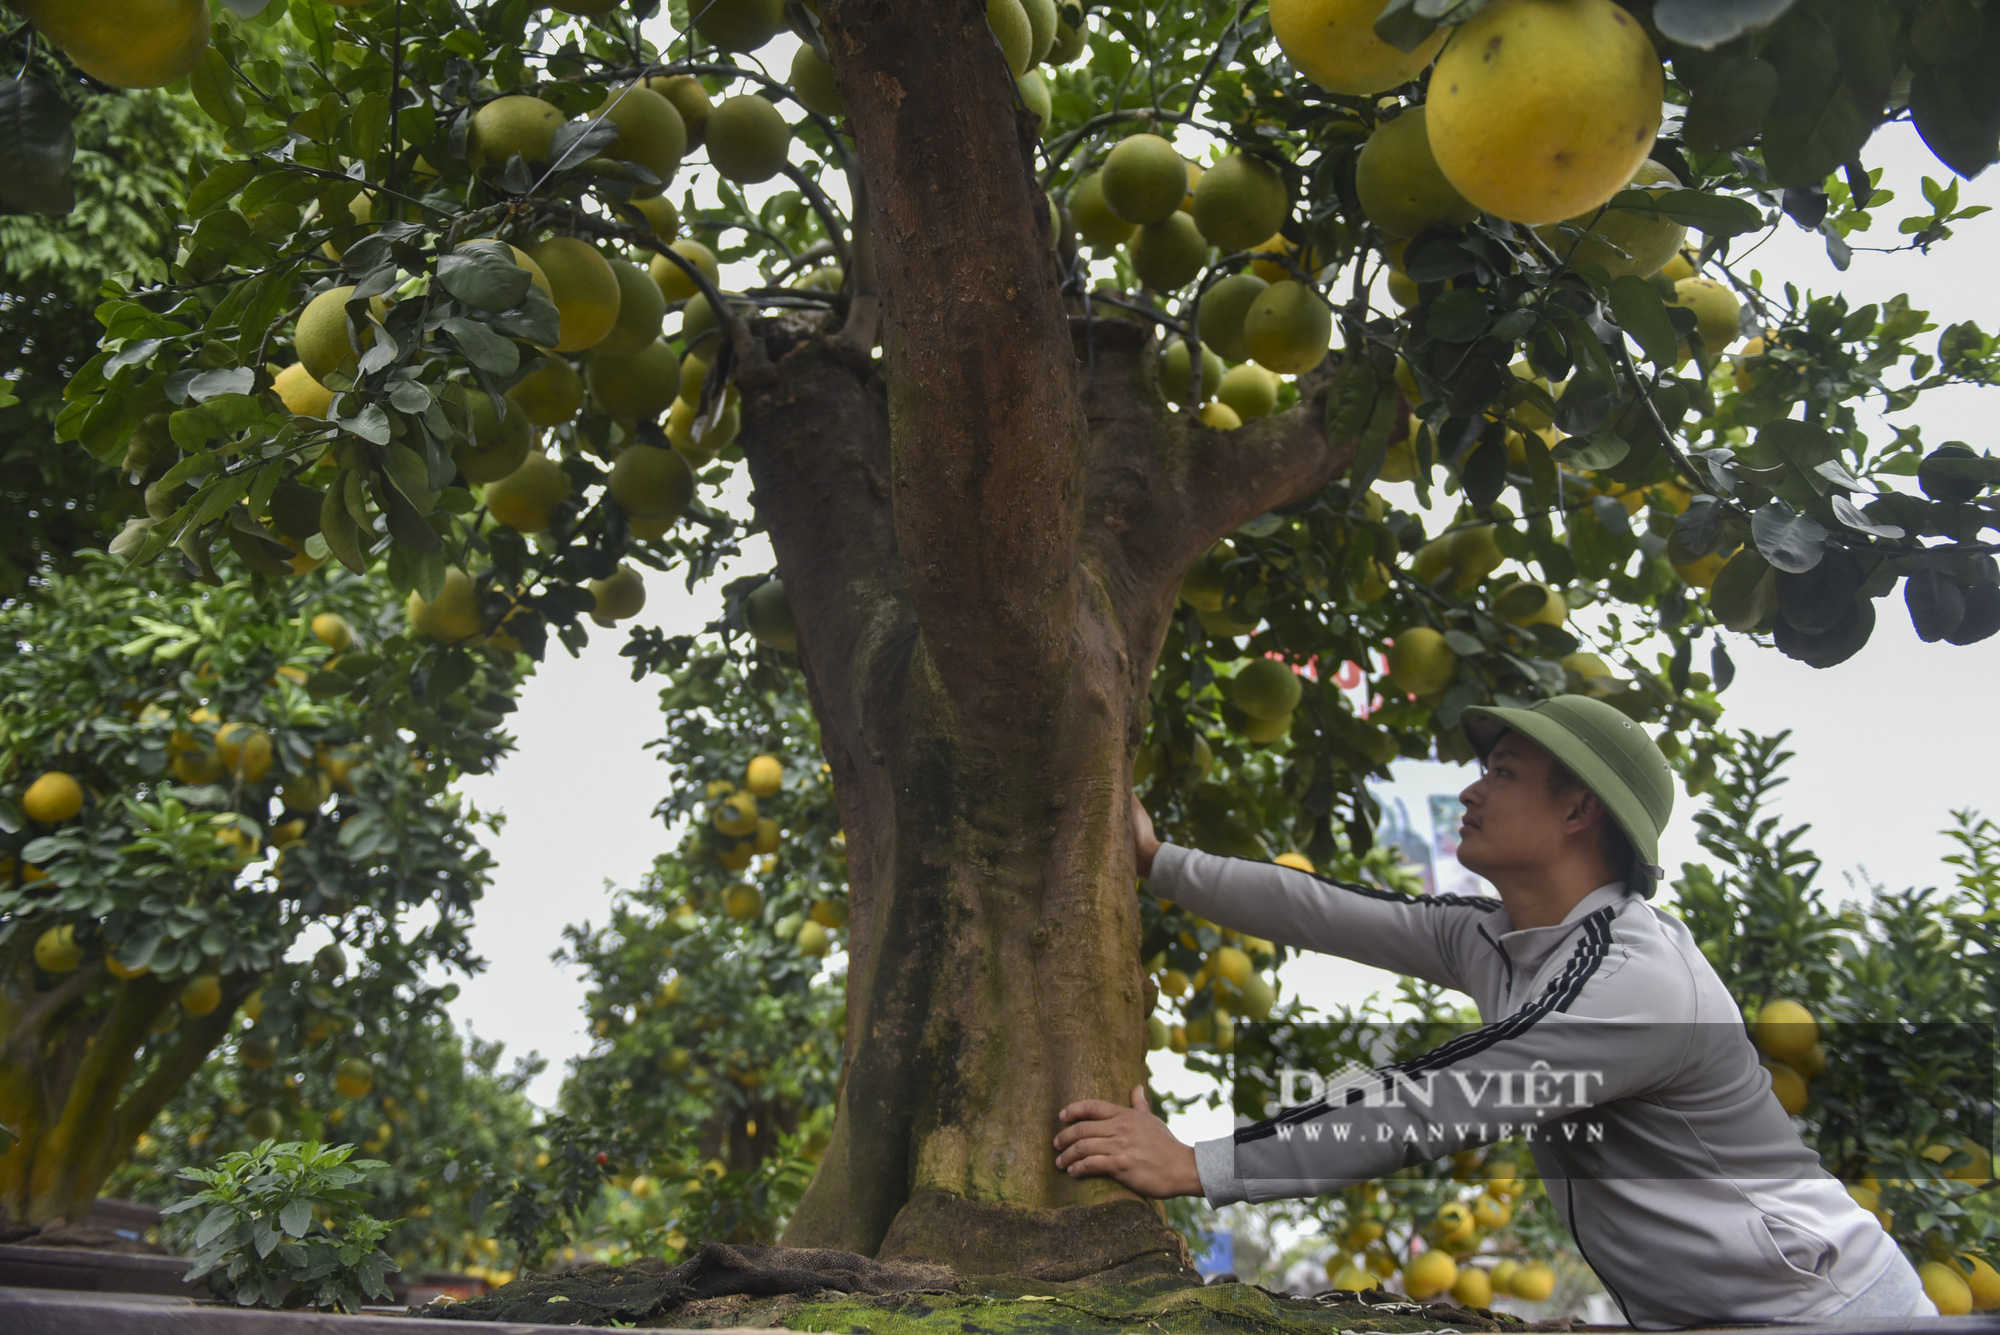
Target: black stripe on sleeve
point(1559, 996)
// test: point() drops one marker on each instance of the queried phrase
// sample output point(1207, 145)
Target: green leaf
point(337, 526)
point(1716, 215)
point(1745, 592)
point(37, 147)
point(219, 187)
point(1789, 541)
point(1707, 24)
point(1643, 315)
point(483, 274)
point(1956, 108)
point(213, 84)
point(482, 347)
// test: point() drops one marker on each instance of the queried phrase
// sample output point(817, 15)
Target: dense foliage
point(191, 778)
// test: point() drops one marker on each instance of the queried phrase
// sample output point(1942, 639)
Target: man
point(1609, 1044)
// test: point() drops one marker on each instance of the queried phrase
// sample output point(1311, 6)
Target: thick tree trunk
point(982, 552)
point(64, 1077)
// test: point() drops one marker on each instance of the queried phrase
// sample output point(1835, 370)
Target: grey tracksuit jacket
point(1610, 1044)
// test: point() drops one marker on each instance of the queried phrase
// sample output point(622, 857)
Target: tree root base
point(1108, 1242)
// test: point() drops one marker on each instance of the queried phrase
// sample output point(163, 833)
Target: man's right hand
point(1144, 842)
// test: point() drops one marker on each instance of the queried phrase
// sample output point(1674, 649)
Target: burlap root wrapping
point(648, 1289)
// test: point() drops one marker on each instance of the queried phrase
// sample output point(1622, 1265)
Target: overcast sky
point(1887, 743)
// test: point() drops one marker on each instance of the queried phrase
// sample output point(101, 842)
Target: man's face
point(1511, 822)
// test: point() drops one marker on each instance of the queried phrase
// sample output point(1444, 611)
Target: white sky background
point(1887, 743)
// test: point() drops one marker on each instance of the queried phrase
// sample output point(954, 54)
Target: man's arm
point(1426, 936)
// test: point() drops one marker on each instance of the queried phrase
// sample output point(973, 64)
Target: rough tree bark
point(982, 547)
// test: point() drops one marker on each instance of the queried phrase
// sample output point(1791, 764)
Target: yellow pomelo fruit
point(1531, 603)
point(1534, 1282)
point(1250, 391)
point(1288, 328)
point(830, 912)
point(660, 216)
point(1502, 1274)
point(690, 99)
point(694, 370)
point(1430, 1274)
point(1981, 1279)
point(1589, 667)
point(302, 395)
point(493, 446)
point(353, 1078)
point(1474, 554)
point(813, 83)
point(1701, 574)
point(1265, 688)
point(680, 432)
point(1240, 202)
point(1353, 1279)
point(584, 288)
point(525, 498)
point(672, 280)
point(744, 903)
point(1042, 21)
point(305, 792)
point(765, 776)
point(1402, 191)
point(620, 597)
point(747, 139)
point(1491, 1212)
point(1785, 1030)
point(1221, 310)
point(454, 618)
point(1473, 1288)
point(1036, 98)
point(650, 132)
point(1420, 662)
point(56, 950)
point(1220, 416)
point(331, 629)
point(202, 994)
point(1333, 43)
point(1270, 270)
point(1542, 109)
point(1175, 372)
point(1091, 215)
point(1716, 311)
point(509, 125)
point(550, 394)
point(1069, 44)
point(639, 385)
point(1169, 255)
point(1945, 1287)
point(768, 614)
point(116, 968)
point(1403, 290)
point(52, 798)
point(651, 485)
point(1620, 241)
point(1788, 1086)
point(1679, 267)
point(1144, 179)
point(1373, 585)
point(739, 25)
point(1009, 21)
point(813, 939)
point(321, 337)
point(126, 43)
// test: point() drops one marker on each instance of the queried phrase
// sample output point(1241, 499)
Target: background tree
point(982, 535)
point(189, 779)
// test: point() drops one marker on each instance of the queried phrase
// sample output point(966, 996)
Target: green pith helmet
point(1608, 753)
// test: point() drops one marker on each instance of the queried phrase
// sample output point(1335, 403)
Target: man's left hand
point(1129, 1144)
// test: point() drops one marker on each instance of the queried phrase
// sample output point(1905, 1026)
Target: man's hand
point(1129, 1144)
point(1144, 842)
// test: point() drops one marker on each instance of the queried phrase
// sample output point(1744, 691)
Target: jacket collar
point(1527, 947)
